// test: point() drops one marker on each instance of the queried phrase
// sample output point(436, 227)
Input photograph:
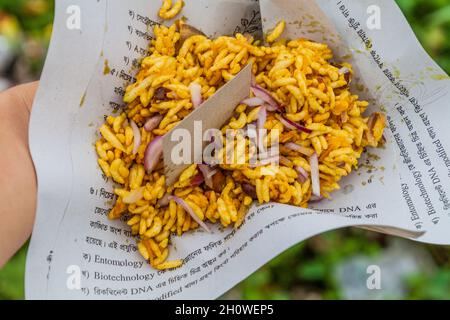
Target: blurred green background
point(329, 266)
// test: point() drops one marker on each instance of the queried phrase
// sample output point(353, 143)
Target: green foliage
point(436, 286)
point(34, 15)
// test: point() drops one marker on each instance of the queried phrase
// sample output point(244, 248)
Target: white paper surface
point(72, 232)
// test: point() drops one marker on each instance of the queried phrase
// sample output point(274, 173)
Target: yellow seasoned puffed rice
point(299, 76)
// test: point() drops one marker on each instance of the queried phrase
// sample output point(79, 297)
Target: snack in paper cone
point(299, 99)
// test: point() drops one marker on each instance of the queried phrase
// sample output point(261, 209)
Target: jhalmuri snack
point(299, 96)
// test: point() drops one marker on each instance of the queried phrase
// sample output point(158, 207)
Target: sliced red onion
point(153, 153)
point(262, 118)
point(153, 123)
point(298, 148)
point(134, 196)
point(191, 212)
point(253, 102)
point(250, 190)
point(302, 174)
point(208, 174)
point(197, 180)
point(271, 108)
point(164, 201)
point(293, 125)
point(315, 178)
point(196, 94)
point(275, 159)
point(136, 136)
point(257, 165)
point(264, 162)
point(265, 95)
point(287, 124)
point(251, 130)
point(207, 171)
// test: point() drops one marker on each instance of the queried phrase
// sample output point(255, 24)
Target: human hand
point(17, 176)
